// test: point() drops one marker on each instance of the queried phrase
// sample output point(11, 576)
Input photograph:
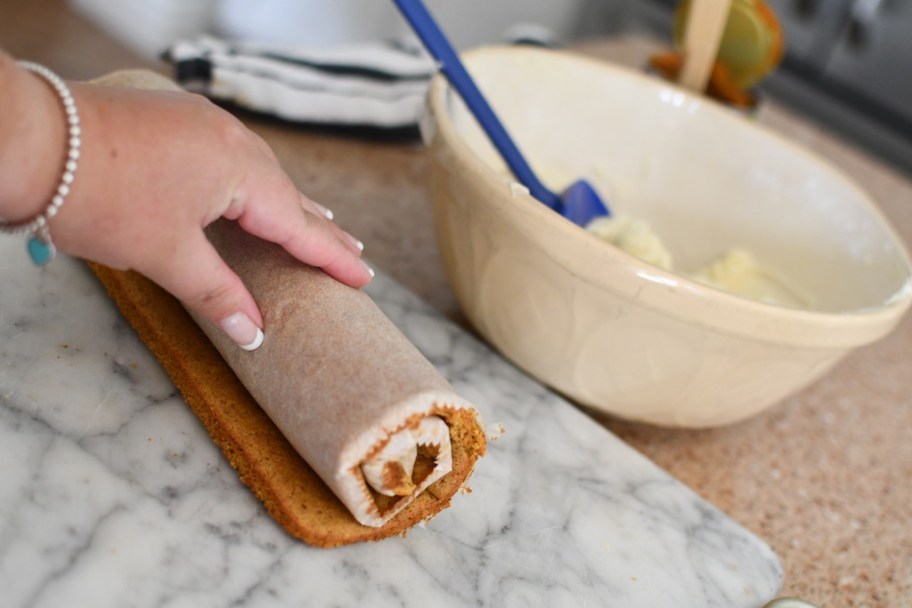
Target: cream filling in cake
point(390, 471)
point(370, 472)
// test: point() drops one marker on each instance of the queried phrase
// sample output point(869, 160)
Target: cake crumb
point(500, 430)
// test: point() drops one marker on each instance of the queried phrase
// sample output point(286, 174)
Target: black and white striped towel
point(375, 85)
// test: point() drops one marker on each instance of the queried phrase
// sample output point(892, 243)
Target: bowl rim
point(695, 302)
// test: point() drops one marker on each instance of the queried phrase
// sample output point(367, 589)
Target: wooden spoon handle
point(702, 35)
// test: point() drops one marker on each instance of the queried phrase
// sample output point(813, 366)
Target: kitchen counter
point(822, 477)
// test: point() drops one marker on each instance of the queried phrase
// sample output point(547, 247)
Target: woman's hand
point(155, 169)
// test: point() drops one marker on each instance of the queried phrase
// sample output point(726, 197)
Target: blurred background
point(848, 63)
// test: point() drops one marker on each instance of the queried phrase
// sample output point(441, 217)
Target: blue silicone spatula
point(579, 203)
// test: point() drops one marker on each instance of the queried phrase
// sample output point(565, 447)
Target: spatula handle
point(440, 48)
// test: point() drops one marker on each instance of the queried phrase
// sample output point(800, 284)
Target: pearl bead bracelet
point(40, 247)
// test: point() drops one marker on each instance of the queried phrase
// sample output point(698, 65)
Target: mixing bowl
point(614, 332)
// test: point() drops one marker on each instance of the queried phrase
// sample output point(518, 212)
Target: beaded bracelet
point(40, 247)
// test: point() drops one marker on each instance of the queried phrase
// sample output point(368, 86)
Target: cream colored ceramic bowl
point(616, 333)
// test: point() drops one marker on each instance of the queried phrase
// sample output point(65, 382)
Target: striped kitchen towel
point(369, 85)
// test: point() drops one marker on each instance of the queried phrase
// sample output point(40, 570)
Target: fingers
point(307, 203)
point(319, 209)
point(273, 209)
point(198, 276)
point(306, 233)
point(279, 214)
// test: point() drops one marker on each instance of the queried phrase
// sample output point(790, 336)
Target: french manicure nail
point(242, 330)
point(355, 241)
point(327, 212)
point(370, 270)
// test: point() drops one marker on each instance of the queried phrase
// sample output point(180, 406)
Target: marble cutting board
point(112, 494)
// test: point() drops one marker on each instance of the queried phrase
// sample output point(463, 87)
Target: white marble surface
point(112, 494)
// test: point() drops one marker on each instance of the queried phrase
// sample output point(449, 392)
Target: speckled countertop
point(823, 477)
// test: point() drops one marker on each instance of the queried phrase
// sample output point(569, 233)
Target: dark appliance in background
point(847, 65)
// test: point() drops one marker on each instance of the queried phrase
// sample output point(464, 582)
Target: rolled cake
point(337, 423)
point(355, 398)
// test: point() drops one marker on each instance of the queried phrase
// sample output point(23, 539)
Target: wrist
point(33, 142)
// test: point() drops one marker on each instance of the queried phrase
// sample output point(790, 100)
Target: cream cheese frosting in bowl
point(618, 333)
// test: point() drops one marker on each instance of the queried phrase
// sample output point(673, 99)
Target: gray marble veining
point(112, 494)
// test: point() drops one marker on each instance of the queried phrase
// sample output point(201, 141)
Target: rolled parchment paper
point(354, 397)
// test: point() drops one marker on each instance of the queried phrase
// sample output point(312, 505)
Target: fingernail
point(328, 213)
point(370, 270)
point(355, 241)
point(242, 330)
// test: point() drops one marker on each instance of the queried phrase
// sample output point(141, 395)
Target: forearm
point(32, 141)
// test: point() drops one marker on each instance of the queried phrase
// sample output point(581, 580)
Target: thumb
point(211, 289)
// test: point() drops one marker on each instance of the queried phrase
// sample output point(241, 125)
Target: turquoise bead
point(40, 252)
